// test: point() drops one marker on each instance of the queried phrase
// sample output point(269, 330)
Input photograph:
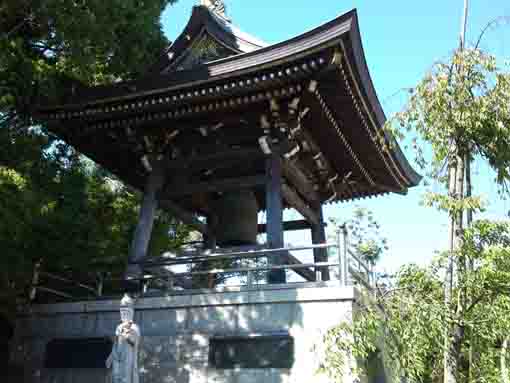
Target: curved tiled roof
point(325, 66)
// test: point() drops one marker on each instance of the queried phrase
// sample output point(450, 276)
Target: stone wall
point(176, 330)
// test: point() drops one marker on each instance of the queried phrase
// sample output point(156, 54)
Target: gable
point(203, 50)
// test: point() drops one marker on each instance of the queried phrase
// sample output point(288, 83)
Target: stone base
point(176, 330)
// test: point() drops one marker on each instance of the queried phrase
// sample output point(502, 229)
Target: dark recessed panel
point(78, 353)
point(257, 352)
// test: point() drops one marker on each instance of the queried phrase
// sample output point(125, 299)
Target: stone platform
point(177, 331)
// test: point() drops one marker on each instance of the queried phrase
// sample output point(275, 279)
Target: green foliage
point(406, 321)
point(48, 47)
point(365, 235)
point(57, 207)
point(461, 106)
point(60, 209)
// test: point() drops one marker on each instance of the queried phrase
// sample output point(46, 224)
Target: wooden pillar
point(274, 216)
point(319, 236)
point(143, 231)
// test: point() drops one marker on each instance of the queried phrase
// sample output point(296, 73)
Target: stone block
point(55, 376)
point(90, 376)
point(106, 323)
point(163, 322)
point(35, 350)
point(265, 318)
point(266, 375)
point(164, 373)
point(226, 298)
point(222, 376)
point(75, 325)
point(157, 350)
point(197, 373)
point(194, 349)
point(213, 320)
point(37, 326)
point(321, 315)
point(175, 301)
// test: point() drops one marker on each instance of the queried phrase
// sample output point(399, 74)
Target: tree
point(459, 112)
point(47, 47)
point(405, 321)
point(61, 210)
point(462, 110)
point(56, 206)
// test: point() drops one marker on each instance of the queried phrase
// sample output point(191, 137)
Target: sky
point(402, 40)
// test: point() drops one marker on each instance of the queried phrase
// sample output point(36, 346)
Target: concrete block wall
point(176, 330)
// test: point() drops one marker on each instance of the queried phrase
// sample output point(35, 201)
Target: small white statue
point(123, 359)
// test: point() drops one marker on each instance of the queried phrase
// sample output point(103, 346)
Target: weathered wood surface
point(294, 200)
point(274, 217)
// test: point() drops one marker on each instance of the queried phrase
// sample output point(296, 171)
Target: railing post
point(344, 261)
point(249, 279)
point(35, 281)
point(100, 284)
point(170, 283)
point(341, 259)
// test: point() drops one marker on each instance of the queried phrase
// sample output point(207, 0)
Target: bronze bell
point(237, 219)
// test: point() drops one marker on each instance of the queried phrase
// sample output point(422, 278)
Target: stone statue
point(124, 357)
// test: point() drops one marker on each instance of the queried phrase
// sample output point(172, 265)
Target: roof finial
point(217, 6)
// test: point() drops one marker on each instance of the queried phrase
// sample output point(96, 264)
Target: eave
point(331, 54)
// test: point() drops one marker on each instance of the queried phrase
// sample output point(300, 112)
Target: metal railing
point(347, 267)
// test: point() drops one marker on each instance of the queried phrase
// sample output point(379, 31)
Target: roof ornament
point(216, 6)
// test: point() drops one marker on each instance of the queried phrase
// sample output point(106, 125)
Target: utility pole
point(464, 25)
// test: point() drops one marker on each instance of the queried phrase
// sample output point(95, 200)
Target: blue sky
point(402, 39)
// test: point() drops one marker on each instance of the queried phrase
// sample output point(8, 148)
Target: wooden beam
point(301, 224)
point(307, 273)
point(294, 200)
point(215, 160)
point(177, 191)
point(183, 215)
point(274, 208)
point(300, 181)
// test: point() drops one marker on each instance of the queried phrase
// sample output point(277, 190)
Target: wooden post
point(143, 231)
point(318, 237)
point(274, 208)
